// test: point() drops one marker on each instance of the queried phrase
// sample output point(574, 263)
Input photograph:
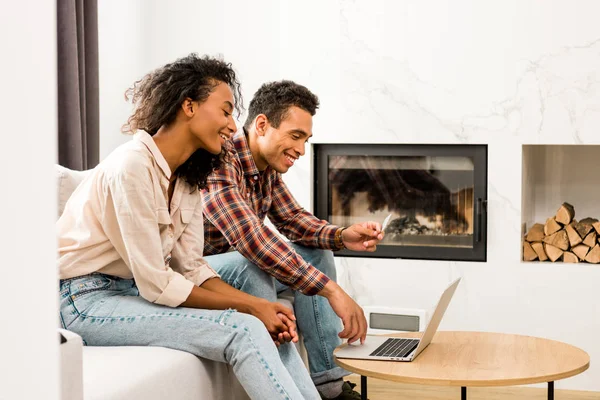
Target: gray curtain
point(78, 108)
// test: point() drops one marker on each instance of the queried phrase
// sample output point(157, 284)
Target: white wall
point(499, 73)
point(28, 298)
point(140, 35)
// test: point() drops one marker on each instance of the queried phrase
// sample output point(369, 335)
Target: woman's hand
point(278, 319)
point(215, 294)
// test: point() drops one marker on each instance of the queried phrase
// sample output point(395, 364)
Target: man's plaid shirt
point(236, 201)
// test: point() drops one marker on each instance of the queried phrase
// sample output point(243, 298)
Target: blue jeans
point(316, 320)
point(108, 311)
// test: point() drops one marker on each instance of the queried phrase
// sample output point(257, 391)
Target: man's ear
point(260, 124)
point(188, 107)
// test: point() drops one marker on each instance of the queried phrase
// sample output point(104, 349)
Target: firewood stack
point(562, 238)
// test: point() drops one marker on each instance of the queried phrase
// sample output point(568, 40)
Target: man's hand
point(352, 315)
point(278, 319)
point(362, 237)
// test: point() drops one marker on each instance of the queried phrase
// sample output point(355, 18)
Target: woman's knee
point(250, 328)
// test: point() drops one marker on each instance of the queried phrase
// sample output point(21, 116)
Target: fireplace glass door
point(432, 198)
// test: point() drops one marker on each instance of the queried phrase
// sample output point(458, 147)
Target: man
point(248, 188)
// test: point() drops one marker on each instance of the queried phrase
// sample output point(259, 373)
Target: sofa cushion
point(67, 180)
point(155, 373)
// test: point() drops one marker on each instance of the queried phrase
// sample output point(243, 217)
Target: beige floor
point(385, 390)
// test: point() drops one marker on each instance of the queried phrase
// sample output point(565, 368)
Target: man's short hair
point(274, 99)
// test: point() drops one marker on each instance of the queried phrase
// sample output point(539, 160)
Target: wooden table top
point(479, 359)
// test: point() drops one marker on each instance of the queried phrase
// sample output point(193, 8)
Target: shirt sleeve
point(296, 223)
point(187, 252)
point(226, 209)
point(130, 222)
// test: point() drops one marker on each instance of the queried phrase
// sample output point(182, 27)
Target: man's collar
point(240, 142)
point(147, 140)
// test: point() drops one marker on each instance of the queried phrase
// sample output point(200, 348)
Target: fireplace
point(435, 197)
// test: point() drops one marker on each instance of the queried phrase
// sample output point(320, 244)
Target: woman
point(131, 239)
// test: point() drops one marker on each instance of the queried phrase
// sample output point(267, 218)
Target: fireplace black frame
point(477, 152)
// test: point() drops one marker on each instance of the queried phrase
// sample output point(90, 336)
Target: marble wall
point(502, 73)
point(497, 73)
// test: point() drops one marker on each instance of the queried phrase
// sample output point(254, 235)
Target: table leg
point(551, 390)
point(463, 393)
point(363, 387)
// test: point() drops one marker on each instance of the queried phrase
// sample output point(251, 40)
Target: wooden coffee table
point(477, 359)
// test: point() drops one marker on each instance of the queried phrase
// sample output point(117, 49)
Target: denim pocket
point(92, 283)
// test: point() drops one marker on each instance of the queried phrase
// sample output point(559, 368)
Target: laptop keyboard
point(396, 348)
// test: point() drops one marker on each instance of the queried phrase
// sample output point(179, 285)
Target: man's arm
point(297, 224)
point(226, 209)
point(304, 228)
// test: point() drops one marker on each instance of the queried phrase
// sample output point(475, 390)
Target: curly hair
point(158, 96)
point(274, 99)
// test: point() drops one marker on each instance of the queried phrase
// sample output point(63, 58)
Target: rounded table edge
point(466, 383)
point(469, 383)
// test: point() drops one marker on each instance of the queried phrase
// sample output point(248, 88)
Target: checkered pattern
point(236, 202)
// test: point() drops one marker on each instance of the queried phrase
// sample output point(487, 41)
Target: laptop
point(399, 349)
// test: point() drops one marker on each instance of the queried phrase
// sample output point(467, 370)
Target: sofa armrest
point(71, 365)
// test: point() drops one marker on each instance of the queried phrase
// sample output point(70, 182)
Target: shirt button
point(255, 177)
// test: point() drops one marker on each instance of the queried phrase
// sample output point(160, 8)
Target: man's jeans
point(316, 320)
point(108, 311)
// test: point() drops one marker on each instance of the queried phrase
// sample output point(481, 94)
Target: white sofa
point(131, 373)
